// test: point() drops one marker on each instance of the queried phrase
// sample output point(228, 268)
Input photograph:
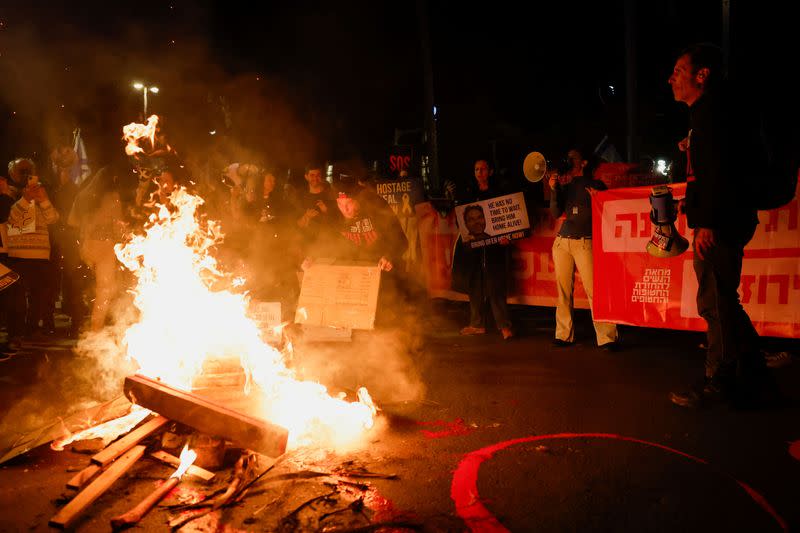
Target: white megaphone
point(666, 241)
point(534, 167)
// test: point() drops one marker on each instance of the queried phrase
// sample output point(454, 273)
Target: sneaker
point(777, 360)
point(469, 330)
point(698, 396)
point(562, 343)
point(507, 333)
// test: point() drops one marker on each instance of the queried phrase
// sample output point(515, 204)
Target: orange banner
point(630, 286)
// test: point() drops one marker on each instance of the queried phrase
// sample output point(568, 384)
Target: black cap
point(346, 186)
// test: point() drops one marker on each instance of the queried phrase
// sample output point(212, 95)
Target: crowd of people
point(57, 235)
point(60, 236)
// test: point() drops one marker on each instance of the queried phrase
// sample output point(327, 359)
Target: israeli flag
point(80, 170)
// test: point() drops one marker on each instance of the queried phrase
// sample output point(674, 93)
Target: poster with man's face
point(488, 221)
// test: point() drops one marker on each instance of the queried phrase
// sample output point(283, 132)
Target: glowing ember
point(107, 431)
point(134, 132)
point(187, 459)
point(183, 322)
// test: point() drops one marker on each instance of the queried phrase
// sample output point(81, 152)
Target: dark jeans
point(487, 281)
point(732, 339)
point(69, 281)
point(29, 297)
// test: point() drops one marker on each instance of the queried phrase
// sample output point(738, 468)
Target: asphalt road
point(482, 434)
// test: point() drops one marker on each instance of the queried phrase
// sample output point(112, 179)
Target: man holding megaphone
point(572, 188)
point(718, 209)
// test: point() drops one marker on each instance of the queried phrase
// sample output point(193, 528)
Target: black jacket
point(719, 180)
point(492, 259)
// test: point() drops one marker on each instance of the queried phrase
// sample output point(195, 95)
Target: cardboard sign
point(486, 222)
point(401, 195)
point(339, 296)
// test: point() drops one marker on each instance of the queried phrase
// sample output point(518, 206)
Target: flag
point(607, 151)
point(80, 170)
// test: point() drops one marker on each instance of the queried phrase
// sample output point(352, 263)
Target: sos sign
point(398, 163)
point(401, 159)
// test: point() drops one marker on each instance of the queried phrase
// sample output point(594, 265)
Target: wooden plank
point(63, 426)
point(81, 478)
point(206, 416)
point(72, 511)
point(128, 441)
point(171, 460)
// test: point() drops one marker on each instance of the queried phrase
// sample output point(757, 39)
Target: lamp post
point(145, 89)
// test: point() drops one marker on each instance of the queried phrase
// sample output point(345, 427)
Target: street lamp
point(145, 89)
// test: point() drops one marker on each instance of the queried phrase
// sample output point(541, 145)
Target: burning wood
point(106, 456)
point(107, 431)
point(128, 441)
point(72, 511)
point(207, 417)
point(135, 515)
point(83, 477)
point(194, 470)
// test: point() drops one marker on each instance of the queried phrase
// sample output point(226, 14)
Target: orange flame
point(183, 322)
point(187, 459)
point(135, 132)
point(107, 431)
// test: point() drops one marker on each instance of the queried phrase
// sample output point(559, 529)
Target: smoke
point(59, 79)
point(383, 360)
point(105, 350)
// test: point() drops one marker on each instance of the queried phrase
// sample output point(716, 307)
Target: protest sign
point(488, 221)
point(339, 296)
point(401, 195)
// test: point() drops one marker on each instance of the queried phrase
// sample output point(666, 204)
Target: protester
point(484, 270)
point(718, 208)
point(264, 214)
point(6, 201)
point(316, 205)
point(65, 256)
point(368, 233)
point(29, 250)
point(572, 249)
point(99, 218)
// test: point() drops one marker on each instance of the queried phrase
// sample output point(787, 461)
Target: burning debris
point(135, 515)
point(208, 376)
point(190, 316)
point(347, 503)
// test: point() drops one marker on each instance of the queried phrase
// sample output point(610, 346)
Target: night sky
point(282, 83)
